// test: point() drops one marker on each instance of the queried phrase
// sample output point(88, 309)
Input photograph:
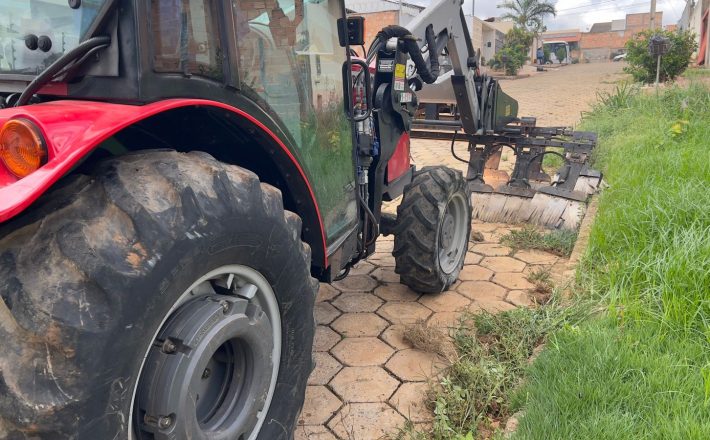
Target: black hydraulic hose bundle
point(428, 73)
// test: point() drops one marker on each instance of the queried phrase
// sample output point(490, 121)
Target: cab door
point(290, 64)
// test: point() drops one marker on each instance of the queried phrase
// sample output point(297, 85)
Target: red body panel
point(73, 129)
point(399, 163)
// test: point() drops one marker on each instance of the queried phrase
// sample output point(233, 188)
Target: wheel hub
point(452, 234)
point(208, 373)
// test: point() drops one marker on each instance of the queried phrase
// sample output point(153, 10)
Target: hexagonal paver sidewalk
point(368, 379)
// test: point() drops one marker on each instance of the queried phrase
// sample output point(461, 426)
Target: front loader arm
point(457, 86)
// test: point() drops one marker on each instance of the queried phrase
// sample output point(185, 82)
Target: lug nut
point(207, 373)
point(169, 347)
point(165, 422)
point(225, 306)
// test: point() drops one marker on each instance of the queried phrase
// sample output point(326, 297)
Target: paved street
point(368, 380)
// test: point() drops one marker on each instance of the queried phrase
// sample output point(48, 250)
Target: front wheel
point(167, 297)
point(432, 230)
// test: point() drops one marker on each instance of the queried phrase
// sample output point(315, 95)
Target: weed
point(471, 401)
point(504, 158)
point(620, 98)
point(558, 242)
point(542, 281)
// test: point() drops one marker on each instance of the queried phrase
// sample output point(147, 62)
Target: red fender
point(72, 129)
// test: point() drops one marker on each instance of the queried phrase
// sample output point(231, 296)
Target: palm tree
point(528, 14)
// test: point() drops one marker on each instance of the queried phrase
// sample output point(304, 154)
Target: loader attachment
point(528, 194)
point(487, 119)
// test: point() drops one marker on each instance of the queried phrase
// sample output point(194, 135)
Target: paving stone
point(364, 384)
point(512, 280)
point(444, 320)
point(491, 306)
point(381, 259)
point(519, 298)
point(385, 246)
point(536, 257)
point(410, 401)
point(414, 365)
point(472, 258)
point(355, 325)
point(362, 268)
point(444, 302)
point(325, 338)
point(325, 313)
point(326, 367)
point(404, 312)
point(326, 292)
point(394, 336)
point(491, 249)
point(396, 292)
point(385, 275)
point(474, 272)
point(478, 290)
point(485, 227)
point(356, 283)
point(353, 302)
point(320, 405)
point(366, 421)
point(362, 352)
point(315, 432)
point(503, 264)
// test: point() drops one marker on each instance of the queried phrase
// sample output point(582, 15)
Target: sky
point(582, 14)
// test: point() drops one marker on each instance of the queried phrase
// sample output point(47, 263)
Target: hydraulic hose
point(59, 65)
point(428, 73)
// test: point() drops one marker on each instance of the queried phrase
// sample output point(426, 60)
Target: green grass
point(492, 353)
point(642, 371)
point(559, 242)
point(599, 382)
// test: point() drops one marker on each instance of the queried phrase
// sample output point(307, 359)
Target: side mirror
point(351, 31)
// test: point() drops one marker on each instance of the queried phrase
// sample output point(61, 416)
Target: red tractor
point(176, 176)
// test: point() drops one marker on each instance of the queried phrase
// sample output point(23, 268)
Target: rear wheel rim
point(453, 234)
point(232, 365)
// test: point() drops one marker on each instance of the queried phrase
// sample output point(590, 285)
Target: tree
point(514, 52)
point(642, 66)
point(528, 14)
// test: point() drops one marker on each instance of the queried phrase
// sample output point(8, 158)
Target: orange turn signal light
point(22, 147)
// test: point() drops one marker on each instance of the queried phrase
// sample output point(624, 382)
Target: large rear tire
point(167, 297)
point(432, 229)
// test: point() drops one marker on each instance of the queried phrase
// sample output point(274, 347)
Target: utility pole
point(399, 15)
point(653, 15)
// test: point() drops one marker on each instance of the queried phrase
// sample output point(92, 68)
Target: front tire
point(123, 290)
point(432, 230)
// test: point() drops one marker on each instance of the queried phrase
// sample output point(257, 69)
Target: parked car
point(620, 57)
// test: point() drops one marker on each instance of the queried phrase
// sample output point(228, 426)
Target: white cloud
point(583, 14)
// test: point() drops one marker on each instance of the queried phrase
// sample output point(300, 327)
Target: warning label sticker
point(399, 85)
point(386, 65)
point(400, 71)
point(405, 97)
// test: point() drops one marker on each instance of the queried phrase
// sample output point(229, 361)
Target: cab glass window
point(186, 37)
point(290, 63)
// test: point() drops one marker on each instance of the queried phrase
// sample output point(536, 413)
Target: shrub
point(514, 52)
point(642, 66)
point(561, 54)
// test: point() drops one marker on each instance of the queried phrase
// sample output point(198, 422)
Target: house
point(489, 36)
point(381, 13)
point(606, 40)
point(696, 18)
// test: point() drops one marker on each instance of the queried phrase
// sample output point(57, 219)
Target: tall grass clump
point(649, 248)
